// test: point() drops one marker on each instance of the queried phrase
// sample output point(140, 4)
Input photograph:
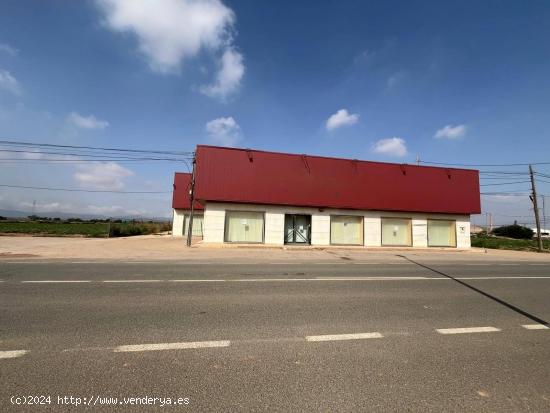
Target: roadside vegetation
point(509, 237)
point(41, 226)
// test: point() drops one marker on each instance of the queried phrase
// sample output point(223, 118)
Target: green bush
point(128, 229)
point(508, 243)
point(514, 231)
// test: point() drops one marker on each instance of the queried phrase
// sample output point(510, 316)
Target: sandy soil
point(155, 247)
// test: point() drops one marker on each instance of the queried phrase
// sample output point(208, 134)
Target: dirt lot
point(155, 247)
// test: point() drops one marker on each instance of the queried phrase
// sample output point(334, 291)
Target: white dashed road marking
point(55, 281)
point(337, 337)
point(535, 327)
point(132, 281)
point(11, 354)
point(371, 278)
point(519, 277)
point(358, 278)
point(196, 281)
point(466, 330)
point(172, 346)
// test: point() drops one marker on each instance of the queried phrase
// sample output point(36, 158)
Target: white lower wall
point(177, 222)
point(463, 239)
point(214, 223)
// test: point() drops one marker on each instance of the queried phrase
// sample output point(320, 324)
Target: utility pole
point(489, 222)
point(535, 207)
point(192, 200)
point(417, 160)
point(544, 212)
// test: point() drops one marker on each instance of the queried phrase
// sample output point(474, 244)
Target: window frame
point(186, 216)
point(362, 243)
point(396, 245)
point(225, 225)
point(428, 233)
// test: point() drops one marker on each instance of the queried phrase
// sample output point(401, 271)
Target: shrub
point(128, 229)
point(514, 231)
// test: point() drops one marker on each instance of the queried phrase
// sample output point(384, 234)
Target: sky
point(452, 82)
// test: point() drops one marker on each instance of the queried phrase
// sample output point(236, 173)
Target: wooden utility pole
point(543, 213)
point(192, 200)
point(535, 207)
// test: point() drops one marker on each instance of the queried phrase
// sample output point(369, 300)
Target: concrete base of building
point(223, 245)
point(215, 226)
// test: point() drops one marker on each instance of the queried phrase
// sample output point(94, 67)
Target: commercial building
point(258, 197)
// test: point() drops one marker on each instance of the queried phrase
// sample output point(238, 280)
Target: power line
point(83, 190)
point(502, 173)
point(495, 177)
point(484, 165)
point(22, 160)
point(50, 145)
point(506, 183)
point(86, 155)
point(506, 193)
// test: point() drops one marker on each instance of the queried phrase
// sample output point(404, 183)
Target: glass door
point(297, 229)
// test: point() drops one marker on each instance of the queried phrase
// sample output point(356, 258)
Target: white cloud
point(391, 146)
point(86, 122)
point(102, 175)
point(77, 208)
point(229, 76)
point(6, 48)
point(114, 210)
point(41, 206)
point(170, 31)
point(341, 118)
point(450, 132)
point(224, 131)
point(395, 79)
point(9, 83)
point(33, 154)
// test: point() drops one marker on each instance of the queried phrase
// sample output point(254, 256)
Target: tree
point(514, 231)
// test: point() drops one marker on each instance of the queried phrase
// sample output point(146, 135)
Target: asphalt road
point(340, 336)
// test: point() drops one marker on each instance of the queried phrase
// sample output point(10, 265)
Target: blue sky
point(461, 82)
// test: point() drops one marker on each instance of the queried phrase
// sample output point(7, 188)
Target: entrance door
point(297, 229)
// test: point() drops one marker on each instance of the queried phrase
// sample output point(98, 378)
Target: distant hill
point(63, 215)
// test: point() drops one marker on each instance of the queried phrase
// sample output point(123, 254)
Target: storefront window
point(346, 230)
point(441, 233)
point(396, 231)
point(242, 226)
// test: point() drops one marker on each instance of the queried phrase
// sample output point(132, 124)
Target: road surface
point(400, 334)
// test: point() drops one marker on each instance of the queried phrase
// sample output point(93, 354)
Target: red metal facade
point(258, 177)
point(180, 197)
